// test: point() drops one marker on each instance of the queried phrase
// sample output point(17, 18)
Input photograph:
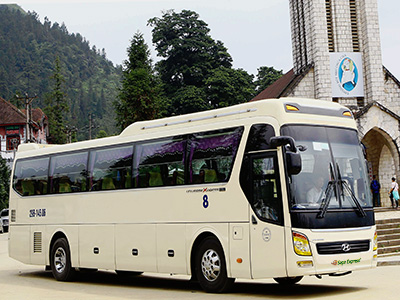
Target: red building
point(13, 128)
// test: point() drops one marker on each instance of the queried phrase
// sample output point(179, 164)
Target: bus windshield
point(333, 172)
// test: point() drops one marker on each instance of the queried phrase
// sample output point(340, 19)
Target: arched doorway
point(383, 159)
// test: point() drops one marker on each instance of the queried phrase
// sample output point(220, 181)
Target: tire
point(288, 280)
point(60, 261)
point(210, 267)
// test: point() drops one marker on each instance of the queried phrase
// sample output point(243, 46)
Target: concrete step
point(387, 237)
point(388, 226)
point(389, 249)
point(385, 221)
point(392, 255)
point(388, 243)
point(388, 260)
point(388, 231)
point(382, 209)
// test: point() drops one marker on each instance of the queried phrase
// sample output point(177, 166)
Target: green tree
point(188, 50)
point(227, 86)
point(189, 57)
point(189, 99)
point(139, 96)
point(57, 107)
point(101, 134)
point(265, 77)
point(4, 183)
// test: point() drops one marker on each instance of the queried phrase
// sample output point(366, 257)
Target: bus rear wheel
point(288, 280)
point(210, 267)
point(60, 261)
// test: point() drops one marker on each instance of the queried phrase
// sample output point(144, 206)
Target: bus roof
point(284, 110)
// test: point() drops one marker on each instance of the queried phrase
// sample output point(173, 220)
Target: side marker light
point(291, 107)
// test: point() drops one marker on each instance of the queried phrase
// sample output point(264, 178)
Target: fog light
point(305, 264)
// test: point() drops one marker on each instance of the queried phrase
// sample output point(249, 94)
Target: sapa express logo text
point(346, 262)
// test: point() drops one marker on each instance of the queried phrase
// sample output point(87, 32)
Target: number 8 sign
point(205, 201)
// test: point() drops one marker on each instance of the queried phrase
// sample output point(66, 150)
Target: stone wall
point(310, 43)
point(305, 88)
point(342, 26)
point(392, 95)
point(371, 50)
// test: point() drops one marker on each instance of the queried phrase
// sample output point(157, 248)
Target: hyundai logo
point(346, 247)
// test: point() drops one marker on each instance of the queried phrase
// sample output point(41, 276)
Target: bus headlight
point(375, 241)
point(301, 244)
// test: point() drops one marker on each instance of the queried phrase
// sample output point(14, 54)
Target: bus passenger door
point(267, 239)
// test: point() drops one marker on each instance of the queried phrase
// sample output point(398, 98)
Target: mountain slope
point(28, 49)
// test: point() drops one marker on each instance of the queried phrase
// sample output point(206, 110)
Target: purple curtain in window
point(36, 167)
point(158, 150)
point(228, 142)
point(110, 155)
point(69, 160)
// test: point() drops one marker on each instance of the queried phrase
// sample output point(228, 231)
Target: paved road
point(21, 282)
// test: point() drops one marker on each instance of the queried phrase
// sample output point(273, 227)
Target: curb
point(390, 261)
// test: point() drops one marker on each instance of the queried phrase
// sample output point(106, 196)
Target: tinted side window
point(111, 169)
point(160, 163)
point(31, 177)
point(211, 155)
point(266, 199)
point(68, 173)
point(259, 137)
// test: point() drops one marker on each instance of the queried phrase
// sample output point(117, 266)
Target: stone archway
point(383, 158)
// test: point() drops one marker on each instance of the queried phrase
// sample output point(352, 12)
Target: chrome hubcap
point(210, 265)
point(60, 260)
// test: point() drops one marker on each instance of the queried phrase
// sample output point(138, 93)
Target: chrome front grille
point(343, 247)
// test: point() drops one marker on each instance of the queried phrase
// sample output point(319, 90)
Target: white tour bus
point(275, 188)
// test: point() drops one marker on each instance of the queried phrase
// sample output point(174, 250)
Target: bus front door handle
point(253, 220)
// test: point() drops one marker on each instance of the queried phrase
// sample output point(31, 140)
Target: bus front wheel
point(210, 267)
point(60, 261)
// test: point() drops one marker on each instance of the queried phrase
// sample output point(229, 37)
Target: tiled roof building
point(13, 128)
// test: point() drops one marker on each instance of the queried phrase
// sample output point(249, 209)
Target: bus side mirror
point(293, 158)
point(277, 141)
point(293, 163)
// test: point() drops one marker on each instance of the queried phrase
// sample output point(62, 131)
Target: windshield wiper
point(328, 195)
point(354, 198)
point(350, 191)
point(325, 202)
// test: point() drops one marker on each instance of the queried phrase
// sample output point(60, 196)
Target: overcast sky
point(256, 32)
